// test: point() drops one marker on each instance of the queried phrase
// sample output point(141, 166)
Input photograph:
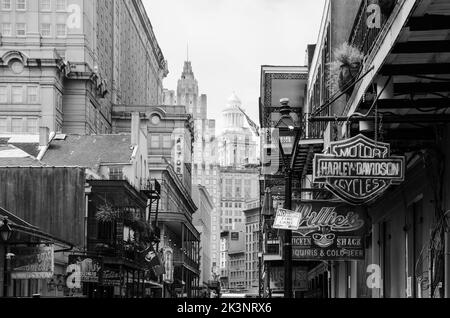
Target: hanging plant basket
point(347, 75)
point(344, 69)
point(106, 213)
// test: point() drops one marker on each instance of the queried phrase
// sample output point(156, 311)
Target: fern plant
point(344, 68)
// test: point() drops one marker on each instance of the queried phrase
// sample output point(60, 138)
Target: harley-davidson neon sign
point(358, 170)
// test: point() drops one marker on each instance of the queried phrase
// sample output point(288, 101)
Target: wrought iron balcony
point(312, 130)
point(365, 30)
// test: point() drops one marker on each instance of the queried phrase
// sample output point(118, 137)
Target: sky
point(229, 40)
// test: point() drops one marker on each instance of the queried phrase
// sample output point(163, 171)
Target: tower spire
point(187, 52)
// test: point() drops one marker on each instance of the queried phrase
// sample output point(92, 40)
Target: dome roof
point(234, 100)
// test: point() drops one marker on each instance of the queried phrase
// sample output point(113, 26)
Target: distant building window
point(32, 125)
point(154, 141)
point(46, 5)
point(6, 29)
point(3, 94)
point(6, 4)
point(17, 125)
point(46, 29)
point(17, 94)
point(61, 5)
point(116, 173)
point(21, 29)
point(32, 95)
point(3, 124)
point(61, 30)
point(21, 5)
point(167, 141)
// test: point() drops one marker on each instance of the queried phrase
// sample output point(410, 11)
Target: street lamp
point(5, 234)
point(286, 128)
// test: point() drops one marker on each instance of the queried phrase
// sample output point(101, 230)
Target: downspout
point(447, 264)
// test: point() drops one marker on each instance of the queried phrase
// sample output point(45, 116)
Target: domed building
point(237, 145)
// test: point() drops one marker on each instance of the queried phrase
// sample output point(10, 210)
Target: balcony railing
point(365, 30)
point(312, 130)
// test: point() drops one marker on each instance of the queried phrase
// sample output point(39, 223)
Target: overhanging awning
point(21, 226)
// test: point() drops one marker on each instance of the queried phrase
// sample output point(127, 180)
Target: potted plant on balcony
point(344, 68)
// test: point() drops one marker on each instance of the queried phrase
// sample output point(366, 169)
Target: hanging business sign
point(33, 262)
point(286, 220)
point(358, 170)
point(329, 231)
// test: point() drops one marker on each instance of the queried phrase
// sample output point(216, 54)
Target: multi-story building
point(170, 140)
point(253, 263)
point(202, 222)
point(205, 169)
point(400, 95)
point(104, 184)
point(232, 260)
point(280, 82)
point(65, 63)
point(239, 185)
point(236, 143)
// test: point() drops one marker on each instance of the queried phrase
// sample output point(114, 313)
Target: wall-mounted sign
point(358, 170)
point(329, 231)
point(286, 220)
point(83, 269)
point(299, 279)
point(32, 262)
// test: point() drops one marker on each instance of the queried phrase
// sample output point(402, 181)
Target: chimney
point(44, 133)
point(135, 127)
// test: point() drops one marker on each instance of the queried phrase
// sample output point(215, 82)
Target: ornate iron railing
point(366, 28)
point(312, 130)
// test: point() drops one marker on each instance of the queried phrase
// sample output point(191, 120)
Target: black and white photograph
point(243, 153)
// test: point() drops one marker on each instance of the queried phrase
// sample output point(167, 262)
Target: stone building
point(65, 63)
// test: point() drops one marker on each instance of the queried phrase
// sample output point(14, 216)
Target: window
point(61, 5)
point(21, 5)
point(32, 94)
point(115, 173)
point(21, 29)
point(3, 124)
point(167, 141)
point(6, 29)
point(46, 29)
point(17, 94)
point(61, 30)
point(154, 141)
point(6, 4)
point(46, 5)
point(32, 125)
point(16, 125)
point(3, 94)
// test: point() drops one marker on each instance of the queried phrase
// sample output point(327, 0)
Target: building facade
point(253, 259)
point(205, 168)
point(65, 63)
point(202, 222)
point(170, 140)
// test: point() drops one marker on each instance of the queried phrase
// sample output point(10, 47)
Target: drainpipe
point(447, 264)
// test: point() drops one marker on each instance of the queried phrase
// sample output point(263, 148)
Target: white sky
point(229, 40)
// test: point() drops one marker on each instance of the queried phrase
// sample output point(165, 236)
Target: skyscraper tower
point(205, 168)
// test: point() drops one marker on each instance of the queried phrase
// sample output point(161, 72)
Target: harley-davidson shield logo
point(358, 170)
